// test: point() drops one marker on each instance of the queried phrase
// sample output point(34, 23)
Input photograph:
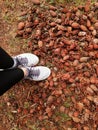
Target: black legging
point(8, 77)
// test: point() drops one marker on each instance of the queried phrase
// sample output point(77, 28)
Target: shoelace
point(33, 72)
point(21, 61)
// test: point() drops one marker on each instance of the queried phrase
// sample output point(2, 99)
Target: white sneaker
point(38, 73)
point(25, 59)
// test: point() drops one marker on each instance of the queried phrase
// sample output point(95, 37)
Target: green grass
point(64, 117)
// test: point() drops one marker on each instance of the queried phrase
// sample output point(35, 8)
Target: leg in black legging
point(8, 78)
point(6, 61)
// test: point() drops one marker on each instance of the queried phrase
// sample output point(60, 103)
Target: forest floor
point(65, 38)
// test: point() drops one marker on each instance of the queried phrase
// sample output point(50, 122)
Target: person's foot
point(37, 73)
point(25, 59)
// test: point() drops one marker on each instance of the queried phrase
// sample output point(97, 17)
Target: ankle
point(25, 71)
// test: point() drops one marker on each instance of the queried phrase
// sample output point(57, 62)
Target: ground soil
point(53, 104)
